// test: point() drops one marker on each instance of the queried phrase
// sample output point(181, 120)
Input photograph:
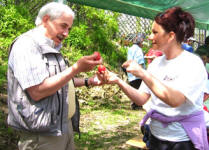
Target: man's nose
point(65, 33)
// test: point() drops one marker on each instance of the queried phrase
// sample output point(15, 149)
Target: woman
point(175, 83)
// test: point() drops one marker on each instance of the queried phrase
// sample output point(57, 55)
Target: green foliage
point(95, 30)
point(78, 38)
point(14, 20)
point(3, 70)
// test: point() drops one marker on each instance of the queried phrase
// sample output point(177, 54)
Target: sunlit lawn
point(107, 121)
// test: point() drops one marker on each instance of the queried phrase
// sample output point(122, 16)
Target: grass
point(107, 121)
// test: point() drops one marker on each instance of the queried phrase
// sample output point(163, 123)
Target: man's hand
point(86, 63)
point(94, 81)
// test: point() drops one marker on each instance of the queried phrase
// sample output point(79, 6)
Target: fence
point(130, 25)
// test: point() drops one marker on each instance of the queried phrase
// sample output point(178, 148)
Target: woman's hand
point(133, 67)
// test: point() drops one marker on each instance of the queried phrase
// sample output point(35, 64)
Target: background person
point(135, 53)
point(38, 82)
point(175, 82)
point(188, 45)
point(152, 54)
point(203, 52)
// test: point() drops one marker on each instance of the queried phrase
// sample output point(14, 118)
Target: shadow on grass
point(107, 140)
point(117, 114)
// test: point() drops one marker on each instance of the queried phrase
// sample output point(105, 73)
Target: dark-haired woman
point(175, 83)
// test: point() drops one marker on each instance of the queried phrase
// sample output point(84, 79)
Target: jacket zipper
point(61, 92)
point(58, 96)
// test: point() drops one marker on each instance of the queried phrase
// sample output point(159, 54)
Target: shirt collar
point(43, 40)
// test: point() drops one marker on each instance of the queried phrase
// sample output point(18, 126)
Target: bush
point(94, 30)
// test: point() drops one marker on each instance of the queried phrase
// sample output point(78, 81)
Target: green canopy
point(149, 8)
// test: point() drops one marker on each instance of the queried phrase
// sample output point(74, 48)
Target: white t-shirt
point(185, 73)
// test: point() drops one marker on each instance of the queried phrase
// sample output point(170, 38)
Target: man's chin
point(57, 43)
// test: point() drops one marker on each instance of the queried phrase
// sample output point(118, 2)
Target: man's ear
point(45, 18)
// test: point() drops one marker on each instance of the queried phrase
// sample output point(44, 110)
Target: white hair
point(54, 10)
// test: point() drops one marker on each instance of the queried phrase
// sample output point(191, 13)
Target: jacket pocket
point(38, 116)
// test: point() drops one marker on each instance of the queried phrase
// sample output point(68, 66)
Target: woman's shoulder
point(191, 56)
point(193, 61)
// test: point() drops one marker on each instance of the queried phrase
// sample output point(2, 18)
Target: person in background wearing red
point(152, 54)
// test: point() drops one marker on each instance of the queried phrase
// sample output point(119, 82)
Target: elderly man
point(38, 82)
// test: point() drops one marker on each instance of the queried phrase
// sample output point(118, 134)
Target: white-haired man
point(38, 82)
